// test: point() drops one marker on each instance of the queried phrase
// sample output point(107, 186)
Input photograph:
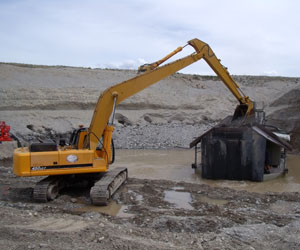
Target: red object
point(4, 132)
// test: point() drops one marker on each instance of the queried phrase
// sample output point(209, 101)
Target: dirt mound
point(287, 115)
point(292, 98)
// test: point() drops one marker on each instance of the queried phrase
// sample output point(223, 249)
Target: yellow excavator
point(90, 151)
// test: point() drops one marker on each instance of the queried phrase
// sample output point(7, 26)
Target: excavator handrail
point(154, 74)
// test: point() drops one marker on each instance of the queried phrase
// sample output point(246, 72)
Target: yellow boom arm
point(152, 75)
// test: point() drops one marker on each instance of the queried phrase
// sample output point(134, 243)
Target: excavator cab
point(78, 137)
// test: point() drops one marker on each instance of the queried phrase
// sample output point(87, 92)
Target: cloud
point(250, 37)
point(127, 64)
point(271, 73)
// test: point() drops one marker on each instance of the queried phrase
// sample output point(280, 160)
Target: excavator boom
point(132, 86)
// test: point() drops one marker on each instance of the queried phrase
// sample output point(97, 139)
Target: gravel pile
point(158, 136)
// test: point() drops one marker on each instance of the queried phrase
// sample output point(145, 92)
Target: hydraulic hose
point(112, 152)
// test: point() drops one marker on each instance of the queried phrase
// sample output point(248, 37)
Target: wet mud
point(157, 212)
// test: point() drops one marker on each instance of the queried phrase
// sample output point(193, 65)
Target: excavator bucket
point(240, 112)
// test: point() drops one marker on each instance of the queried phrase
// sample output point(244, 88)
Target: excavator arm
point(153, 73)
point(205, 52)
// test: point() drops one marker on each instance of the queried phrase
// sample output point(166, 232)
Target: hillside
point(45, 101)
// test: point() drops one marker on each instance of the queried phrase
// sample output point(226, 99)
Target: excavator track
point(47, 189)
point(104, 189)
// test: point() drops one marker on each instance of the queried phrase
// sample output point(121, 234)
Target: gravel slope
point(44, 102)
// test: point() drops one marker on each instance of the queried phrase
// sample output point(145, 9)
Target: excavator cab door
point(78, 138)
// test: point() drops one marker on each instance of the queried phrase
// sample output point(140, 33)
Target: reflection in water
point(176, 165)
point(113, 209)
point(179, 199)
point(158, 164)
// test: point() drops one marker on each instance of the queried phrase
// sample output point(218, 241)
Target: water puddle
point(289, 182)
point(175, 165)
point(157, 164)
point(285, 207)
point(178, 188)
point(112, 209)
point(139, 197)
point(179, 199)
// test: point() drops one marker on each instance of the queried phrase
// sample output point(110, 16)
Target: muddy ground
point(148, 214)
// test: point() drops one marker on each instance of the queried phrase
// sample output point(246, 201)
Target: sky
point(251, 37)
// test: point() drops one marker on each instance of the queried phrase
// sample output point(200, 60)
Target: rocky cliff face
point(41, 102)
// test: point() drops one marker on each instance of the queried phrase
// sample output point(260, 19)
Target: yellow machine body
point(60, 162)
point(64, 160)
